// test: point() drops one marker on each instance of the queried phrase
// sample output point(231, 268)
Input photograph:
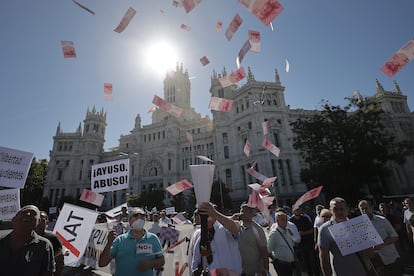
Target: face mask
point(138, 224)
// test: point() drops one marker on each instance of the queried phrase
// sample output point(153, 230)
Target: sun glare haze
point(161, 57)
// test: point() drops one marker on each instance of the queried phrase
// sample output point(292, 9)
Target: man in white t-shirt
point(409, 218)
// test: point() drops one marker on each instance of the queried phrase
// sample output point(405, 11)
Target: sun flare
point(161, 57)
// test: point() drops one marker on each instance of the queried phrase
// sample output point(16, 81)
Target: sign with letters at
point(9, 203)
point(110, 176)
point(74, 227)
point(14, 167)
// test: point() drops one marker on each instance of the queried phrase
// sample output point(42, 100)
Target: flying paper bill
point(219, 25)
point(233, 27)
point(125, 20)
point(264, 10)
point(256, 174)
point(185, 27)
point(83, 7)
point(204, 158)
point(167, 107)
point(204, 61)
point(91, 197)
point(108, 91)
point(176, 3)
point(270, 147)
point(265, 127)
point(399, 59)
point(247, 148)
point(68, 49)
point(254, 39)
point(287, 67)
point(189, 137)
point(243, 51)
point(268, 181)
point(189, 5)
point(220, 104)
point(179, 186)
point(307, 196)
point(233, 78)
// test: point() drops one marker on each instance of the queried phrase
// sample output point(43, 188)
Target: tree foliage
point(33, 189)
point(149, 199)
point(345, 148)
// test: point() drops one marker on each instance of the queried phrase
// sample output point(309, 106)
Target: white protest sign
point(9, 203)
point(14, 167)
point(170, 210)
point(355, 235)
point(110, 176)
point(116, 211)
point(73, 227)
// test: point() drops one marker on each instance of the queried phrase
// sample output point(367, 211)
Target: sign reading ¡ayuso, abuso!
point(110, 176)
point(14, 167)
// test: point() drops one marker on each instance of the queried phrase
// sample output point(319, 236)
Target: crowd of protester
point(294, 242)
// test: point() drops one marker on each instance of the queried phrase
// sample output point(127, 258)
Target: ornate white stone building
point(160, 153)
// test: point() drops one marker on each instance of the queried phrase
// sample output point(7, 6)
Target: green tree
point(150, 199)
point(346, 148)
point(33, 189)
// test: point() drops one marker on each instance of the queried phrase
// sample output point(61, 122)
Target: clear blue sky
point(333, 47)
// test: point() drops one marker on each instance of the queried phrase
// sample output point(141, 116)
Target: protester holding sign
point(331, 260)
point(137, 252)
point(23, 252)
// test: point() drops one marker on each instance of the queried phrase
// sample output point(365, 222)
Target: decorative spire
point(277, 78)
point(397, 88)
point(58, 129)
point(380, 89)
point(250, 76)
point(79, 128)
point(224, 72)
point(214, 76)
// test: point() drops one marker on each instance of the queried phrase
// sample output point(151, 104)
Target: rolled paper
point(202, 181)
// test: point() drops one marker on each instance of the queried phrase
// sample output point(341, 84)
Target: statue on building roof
point(397, 89)
point(380, 89)
point(277, 78)
point(250, 76)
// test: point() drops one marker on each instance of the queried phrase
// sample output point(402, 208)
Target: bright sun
point(161, 57)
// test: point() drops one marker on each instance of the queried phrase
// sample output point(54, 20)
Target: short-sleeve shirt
point(341, 265)
point(388, 253)
point(250, 243)
point(35, 258)
point(129, 252)
point(409, 217)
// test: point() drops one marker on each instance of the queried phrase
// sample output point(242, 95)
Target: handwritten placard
point(355, 235)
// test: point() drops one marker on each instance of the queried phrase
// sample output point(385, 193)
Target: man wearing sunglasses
point(136, 252)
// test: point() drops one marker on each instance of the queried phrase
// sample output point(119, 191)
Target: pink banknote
point(189, 5)
point(220, 104)
point(167, 107)
point(233, 78)
point(125, 20)
point(92, 197)
point(247, 148)
point(264, 10)
point(233, 27)
point(185, 27)
point(254, 39)
point(204, 61)
point(399, 59)
point(219, 25)
point(243, 51)
point(83, 7)
point(307, 196)
point(68, 49)
point(179, 186)
point(265, 127)
point(270, 147)
point(108, 91)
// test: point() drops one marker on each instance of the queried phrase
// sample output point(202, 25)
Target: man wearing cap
point(252, 244)
point(23, 251)
point(136, 252)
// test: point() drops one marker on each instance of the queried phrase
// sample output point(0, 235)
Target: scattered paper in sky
point(68, 49)
point(254, 39)
point(243, 51)
point(167, 107)
point(189, 5)
point(204, 158)
point(233, 78)
point(399, 59)
point(287, 66)
point(265, 127)
point(176, 3)
point(83, 7)
point(233, 27)
point(125, 20)
point(247, 148)
point(108, 91)
point(220, 104)
point(179, 186)
point(264, 10)
point(219, 26)
point(270, 147)
point(185, 27)
point(204, 61)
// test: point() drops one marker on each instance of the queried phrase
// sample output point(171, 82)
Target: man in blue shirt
point(136, 252)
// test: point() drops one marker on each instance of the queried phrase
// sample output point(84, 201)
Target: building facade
point(160, 153)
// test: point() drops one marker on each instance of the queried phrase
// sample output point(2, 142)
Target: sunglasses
point(137, 215)
point(326, 216)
